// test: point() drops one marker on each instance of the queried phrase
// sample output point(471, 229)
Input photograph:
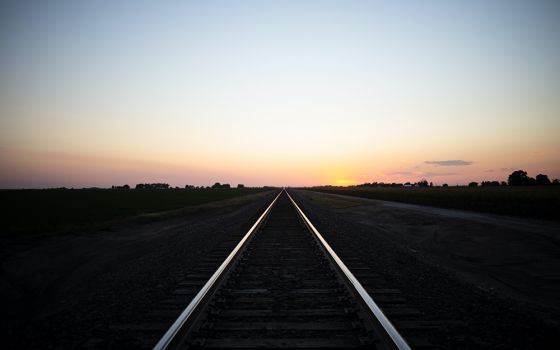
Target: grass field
point(535, 202)
point(54, 209)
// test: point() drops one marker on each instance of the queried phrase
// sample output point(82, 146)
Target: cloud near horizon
point(499, 170)
point(432, 174)
point(455, 162)
point(421, 174)
point(401, 173)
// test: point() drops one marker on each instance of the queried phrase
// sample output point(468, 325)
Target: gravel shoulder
point(64, 290)
point(452, 263)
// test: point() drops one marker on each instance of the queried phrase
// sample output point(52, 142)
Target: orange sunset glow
point(277, 94)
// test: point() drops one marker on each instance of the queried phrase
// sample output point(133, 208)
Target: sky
point(287, 93)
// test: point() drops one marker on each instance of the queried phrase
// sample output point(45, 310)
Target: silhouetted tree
point(218, 185)
point(555, 182)
point(153, 186)
point(520, 178)
point(445, 185)
point(503, 183)
point(240, 186)
point(490, 183)
point(473, 184)
point(542, 180)
point(423, 183)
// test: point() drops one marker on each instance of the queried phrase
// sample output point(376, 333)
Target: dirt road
point(519, 257)
point(479, 281)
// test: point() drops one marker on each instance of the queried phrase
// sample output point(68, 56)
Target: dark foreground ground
point(487, 281)
point(74, 290)
point(539, 202)
point(54, 210)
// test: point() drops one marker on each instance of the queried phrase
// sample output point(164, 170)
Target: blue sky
point(277, 92)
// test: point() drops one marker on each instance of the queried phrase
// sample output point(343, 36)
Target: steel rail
point(169, 338)
point(390, 330)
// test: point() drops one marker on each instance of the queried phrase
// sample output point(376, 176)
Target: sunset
point(277, 93)
point(280, 174)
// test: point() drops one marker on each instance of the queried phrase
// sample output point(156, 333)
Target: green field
point(54, 209)
point(542, 202)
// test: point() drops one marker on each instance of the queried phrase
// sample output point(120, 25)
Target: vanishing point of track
point(282, 287)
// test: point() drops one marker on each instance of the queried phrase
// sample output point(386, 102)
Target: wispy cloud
point(499, 170)
point(432, 174)
point(420, 174)
point(401, 173)
point(455, 162)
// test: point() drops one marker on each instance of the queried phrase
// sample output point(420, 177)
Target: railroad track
point(282, 287)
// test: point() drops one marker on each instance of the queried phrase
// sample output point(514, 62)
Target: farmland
point(55, 209)
point(534, 202)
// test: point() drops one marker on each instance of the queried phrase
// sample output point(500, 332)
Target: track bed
point(281, 290)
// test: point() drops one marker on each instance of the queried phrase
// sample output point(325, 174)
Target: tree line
point(520, 178)
point(516, 178)
point(165, 186)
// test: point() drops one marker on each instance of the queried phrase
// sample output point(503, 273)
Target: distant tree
point(489, 183)
point(431, 184)
point(152, 186)
point(555, 182)
point(226, 186)
point(126, 187)
point(423, 183)
point(473, 184)
point(503, 183)
point(519, 178)
point(542, 180)
point(240, 186)
point(445, 185)
point(217, 185)
point(189, 186)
